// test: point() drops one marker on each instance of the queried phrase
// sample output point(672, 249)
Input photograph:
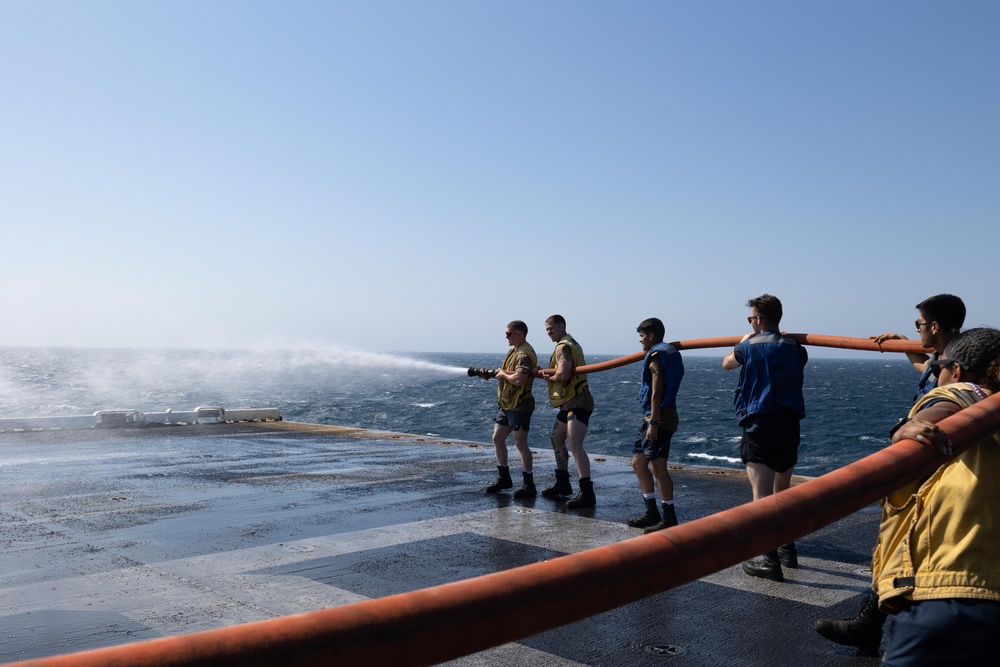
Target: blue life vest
point(927, 380)
point(770, 375)
point(673, 370)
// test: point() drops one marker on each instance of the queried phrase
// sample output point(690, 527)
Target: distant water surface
point(851, 403)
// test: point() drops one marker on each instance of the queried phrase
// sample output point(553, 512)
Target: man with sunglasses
point(939, 320)
point(515, 404)
point(769, 406)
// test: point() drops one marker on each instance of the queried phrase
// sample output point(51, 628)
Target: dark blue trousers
point(944, 632)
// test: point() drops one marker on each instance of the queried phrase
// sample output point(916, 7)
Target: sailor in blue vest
point(769, 405)
point(662, 370)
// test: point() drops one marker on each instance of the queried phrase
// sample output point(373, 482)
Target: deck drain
point(664, 650)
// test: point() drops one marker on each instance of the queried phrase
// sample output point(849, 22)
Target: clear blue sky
point(409, 176)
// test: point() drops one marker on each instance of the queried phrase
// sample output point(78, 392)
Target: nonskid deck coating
point(117, 536)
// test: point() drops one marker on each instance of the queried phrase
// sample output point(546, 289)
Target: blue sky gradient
point(409, 176)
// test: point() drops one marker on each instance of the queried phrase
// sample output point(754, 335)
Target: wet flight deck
point(109, 536)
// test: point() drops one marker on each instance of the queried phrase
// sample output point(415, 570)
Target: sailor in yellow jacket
point(569, 392)
point(936, 565)
point(515, 405)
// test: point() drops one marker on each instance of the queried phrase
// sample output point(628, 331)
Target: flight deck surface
point(122, 535)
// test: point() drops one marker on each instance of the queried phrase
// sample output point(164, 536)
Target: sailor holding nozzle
point(515, 404)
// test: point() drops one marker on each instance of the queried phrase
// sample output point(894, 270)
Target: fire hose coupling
point(485, 373)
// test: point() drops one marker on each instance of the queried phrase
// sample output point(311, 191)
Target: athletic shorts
point(943, 632)
point(653, 449)
point(580, 407)
point(581, 415)
point(513, 419)
point(779, 452)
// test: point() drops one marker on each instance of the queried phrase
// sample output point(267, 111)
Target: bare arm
point(924, 429)
point(659, 384)
point(516, 377)
point(564, 368)
point(918, 359)
point(730, 362)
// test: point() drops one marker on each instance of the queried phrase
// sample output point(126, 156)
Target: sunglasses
point(937, 364)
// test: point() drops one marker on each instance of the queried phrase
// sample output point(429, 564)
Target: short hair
point(978, 351)
point(945, 309)
point(767, 306)
point(518, 325)
point(654, 326)
point(557, 319)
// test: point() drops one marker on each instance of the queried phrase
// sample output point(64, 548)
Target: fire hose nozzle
point(485, 373)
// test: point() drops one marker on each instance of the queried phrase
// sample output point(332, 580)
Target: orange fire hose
point(444, 622)
point(841, 342)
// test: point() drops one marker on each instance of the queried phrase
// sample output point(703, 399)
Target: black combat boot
point(503, 481)
point(788, 556)
point(586, 497)
point(527, 489)
point(669, 519)
point(863, 631)
point(650, 518)
point(561, 487)
point(766, 567)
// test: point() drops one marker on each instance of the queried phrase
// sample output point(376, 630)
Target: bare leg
point(641, 467)
point(783, 480)
point(663, 480)
point(559, 434)
point(577, 430)
point(761, 480)
point(521, 442)
point(766, 482)
point(500, 434)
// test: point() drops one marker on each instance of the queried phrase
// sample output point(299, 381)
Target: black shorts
point(581, 415)
point(653, 449)
point(514, 419)
point(778, 451)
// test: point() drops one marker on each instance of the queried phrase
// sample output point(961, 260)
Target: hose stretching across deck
point(448, 621)
point(841, 342)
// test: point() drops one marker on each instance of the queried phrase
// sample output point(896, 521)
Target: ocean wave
point(711, 457)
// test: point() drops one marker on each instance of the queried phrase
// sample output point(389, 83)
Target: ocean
point(850, 403)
